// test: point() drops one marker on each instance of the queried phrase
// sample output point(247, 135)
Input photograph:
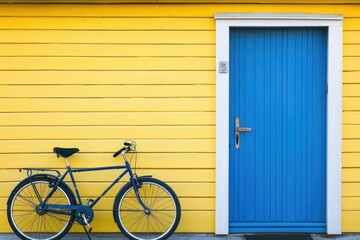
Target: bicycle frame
point(56, 208)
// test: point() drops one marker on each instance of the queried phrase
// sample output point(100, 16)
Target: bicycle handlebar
point(118, 152)
point(129, 145)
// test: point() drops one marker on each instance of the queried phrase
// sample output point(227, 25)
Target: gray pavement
point(98, 236)
point(113, 236)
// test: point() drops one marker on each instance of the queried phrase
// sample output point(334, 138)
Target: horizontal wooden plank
point(351, 189)
point(3, 204)
point(107, 77)
point(350, 221)
point(351, 90)
point(351, 63)
point(187, 204)
point(167, 175)
point(99, 63)
point(350, 37)
point(164, 10)
point(351, 103)
point(177, 1)
point(351, 77)
point(144, 160)
point(351, 24)
point(351, 175)
point(191, 221)
point(81, 23)
point(111, 119)
point(108, 132)
point(351, 131)
point(109, 146)
point(351, 203)
point(351, 117)
point(194, 190)
point(351, 145)
point(351, 50)
point(106, 50)
point(132, 37)
point(351, 159)
point(109, 105)
point(101, 91)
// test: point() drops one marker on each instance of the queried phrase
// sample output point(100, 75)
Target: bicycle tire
point(129, 214)
point(27, 221)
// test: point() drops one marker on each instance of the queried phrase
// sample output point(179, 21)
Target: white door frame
point(334, 106)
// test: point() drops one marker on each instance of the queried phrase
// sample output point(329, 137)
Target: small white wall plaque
point(223, 67)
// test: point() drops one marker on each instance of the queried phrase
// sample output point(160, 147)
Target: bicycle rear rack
point(30, 170)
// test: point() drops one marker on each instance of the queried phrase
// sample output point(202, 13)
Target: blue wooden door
point(278, 170)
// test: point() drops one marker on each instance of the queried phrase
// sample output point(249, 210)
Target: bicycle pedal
point(89, 201)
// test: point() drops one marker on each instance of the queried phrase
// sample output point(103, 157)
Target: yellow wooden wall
point(90, 76)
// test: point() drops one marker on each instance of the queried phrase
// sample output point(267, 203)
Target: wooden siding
point(89, 76)
point(181, 1)
point(351, 123)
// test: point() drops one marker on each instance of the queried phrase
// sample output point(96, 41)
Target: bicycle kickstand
point(86, 232)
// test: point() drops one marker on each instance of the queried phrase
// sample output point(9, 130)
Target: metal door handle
point(243, 129)
point(238, 129)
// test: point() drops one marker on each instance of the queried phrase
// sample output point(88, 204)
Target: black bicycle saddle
point(65, 152)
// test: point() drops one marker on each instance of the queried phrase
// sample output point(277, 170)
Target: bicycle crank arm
point(90, 228)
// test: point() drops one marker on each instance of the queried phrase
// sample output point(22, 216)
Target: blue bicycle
point(43, 206)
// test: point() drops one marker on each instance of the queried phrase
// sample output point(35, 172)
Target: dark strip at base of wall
point(278, 237)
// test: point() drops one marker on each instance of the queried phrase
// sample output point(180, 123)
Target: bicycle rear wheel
point(24, 216)
point(164, 206)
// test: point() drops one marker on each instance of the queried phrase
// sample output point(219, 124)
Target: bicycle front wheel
point(25, 217)
point(159, 198)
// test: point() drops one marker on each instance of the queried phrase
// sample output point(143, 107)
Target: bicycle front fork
point(136, 186)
